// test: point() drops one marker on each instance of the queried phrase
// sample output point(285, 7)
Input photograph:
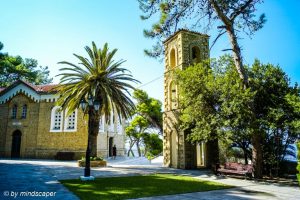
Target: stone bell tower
point(182, 49)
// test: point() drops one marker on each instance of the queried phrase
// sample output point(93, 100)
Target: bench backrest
point(238, 166)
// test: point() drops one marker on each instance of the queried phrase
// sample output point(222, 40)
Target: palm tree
point(101, 78)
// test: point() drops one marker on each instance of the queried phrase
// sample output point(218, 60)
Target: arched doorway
point(16, 144)
point(110, 146)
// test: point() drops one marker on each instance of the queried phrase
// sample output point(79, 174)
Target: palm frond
point(101, 76)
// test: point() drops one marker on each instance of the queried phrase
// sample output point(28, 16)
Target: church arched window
point(173, 96)
point(56, 119)
point(24, 111)
point(196, 54)
point(111, 125)
point(71, 121)
point(101, 124)
point(119, 126)
point(173, 58)
point(14, 111)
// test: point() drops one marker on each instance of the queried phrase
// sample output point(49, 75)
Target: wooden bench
point(236, 169)
point(64, 155)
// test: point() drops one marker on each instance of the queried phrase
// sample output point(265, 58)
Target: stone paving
point(18, 176)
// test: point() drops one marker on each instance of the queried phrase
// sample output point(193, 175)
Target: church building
point(183, 49)
point(32, 126)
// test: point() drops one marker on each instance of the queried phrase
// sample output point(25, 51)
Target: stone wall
point(182, 42)
point(3, 127)
point(59, 141)
point(37, 140)
point(27, 126)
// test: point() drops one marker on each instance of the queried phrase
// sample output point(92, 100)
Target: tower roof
point(186, 31)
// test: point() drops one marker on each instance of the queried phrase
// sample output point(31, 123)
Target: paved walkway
point(29, 176)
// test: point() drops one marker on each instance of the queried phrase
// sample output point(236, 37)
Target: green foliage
point(149, 108)
point(298, 166)
point(153, 145)
point(13, 68)
point(133, 187)
point(276, 107)
point(147, 118)
point(99, 76)
point(199, 14)
point(98, 158)
point(214, 105)
point(298, 147)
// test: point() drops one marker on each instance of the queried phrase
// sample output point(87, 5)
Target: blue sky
point(52, 30)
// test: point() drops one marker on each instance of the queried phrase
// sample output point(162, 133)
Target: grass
point(139, 186)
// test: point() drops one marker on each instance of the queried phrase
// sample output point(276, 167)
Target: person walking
point(114, 152)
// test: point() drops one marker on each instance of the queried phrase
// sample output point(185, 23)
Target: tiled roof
point(45, 88)
point(49, 88)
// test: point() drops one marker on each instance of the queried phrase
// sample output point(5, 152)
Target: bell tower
point(183, 49)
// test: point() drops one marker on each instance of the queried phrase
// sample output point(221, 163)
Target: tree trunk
point(245, 156)
point(212, 158)
point(229, 26)
point(257, 158)
point(93, 130)
point(93, 143)
point(237, 56)
point(138, 148)
point(130, 148)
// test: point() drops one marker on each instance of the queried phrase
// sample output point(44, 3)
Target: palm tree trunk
point(94, 130)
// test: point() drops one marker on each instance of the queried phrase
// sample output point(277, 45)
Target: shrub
point(287, 167)
point(93, 159)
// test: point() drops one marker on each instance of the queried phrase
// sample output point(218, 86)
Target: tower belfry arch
point(183, 49)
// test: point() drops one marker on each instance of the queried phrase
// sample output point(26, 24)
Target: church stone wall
point(37, 141)
point(3, 127)
point(27, 126)
point(49, 143)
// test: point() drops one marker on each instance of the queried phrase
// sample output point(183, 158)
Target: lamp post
point(92, 106)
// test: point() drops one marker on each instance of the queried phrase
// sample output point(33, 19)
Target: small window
point(173, 95)
point(14, 112)
point(56, 119)
point(71, 122)
point(172, 58)
point(196, 54)
point(24, 112)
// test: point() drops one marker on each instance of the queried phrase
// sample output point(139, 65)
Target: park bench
point(236, 169)
point(64, 155)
